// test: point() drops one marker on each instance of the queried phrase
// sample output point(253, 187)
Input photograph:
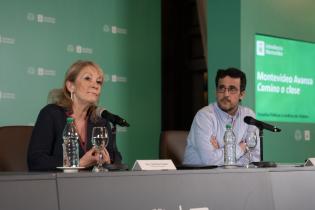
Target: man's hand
point(243, 146)
point(214, 142)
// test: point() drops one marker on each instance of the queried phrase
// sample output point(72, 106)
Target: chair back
point(172, 145)
point(14, 142)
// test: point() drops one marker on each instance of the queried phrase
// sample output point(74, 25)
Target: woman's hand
point(105, 156)
point(91, 157)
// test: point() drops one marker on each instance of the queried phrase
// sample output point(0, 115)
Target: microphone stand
point(261, 135)
point(116, 165)
point(262, 163)
point(114, 129)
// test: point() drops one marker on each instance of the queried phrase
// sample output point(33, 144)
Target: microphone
point(261, 125)
point(115, 119)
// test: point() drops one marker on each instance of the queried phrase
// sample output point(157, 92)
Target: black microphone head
point(249, 120)
point(261, 125)
point(115, 119)
point(99, 111)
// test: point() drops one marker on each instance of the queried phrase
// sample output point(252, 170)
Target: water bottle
point(70, 145)
point(229, 146)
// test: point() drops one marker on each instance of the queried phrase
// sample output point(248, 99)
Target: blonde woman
point(77, 99)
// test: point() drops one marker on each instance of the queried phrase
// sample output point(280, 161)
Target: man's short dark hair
point(232, 72)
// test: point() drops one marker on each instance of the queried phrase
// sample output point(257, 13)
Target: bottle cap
point(228, 126)
point(69, 119)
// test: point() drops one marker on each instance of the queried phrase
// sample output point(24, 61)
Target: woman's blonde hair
point(62, 96)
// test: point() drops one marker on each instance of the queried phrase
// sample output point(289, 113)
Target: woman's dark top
point(45, 148)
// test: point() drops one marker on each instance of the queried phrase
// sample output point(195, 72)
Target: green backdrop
point(232, 26)
point(40, 39)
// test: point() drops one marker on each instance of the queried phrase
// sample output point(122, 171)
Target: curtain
point(202, 15)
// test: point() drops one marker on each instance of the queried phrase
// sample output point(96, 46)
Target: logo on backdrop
point(40, 71)
point(260, 48)
point(79, 49)
point(106, 28)
point(6, 40)
point(115, 29)
point(307, 135)
point(299, 135)
point(40, 18)
point(121, 129)
point(263, 48)
point(116, 78)
point(106, 77)
point(7, 95)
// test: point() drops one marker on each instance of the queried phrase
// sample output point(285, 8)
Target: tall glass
point(251, 142)
point(99, 141)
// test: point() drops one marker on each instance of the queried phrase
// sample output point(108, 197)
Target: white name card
point(153, 165)
point(310, 162)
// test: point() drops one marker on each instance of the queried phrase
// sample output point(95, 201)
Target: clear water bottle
point(229, 146)
point(70, 145)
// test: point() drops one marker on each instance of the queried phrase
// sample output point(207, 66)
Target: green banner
point(285, 74)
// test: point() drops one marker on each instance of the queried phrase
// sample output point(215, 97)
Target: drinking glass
point(99, 141)
point(251, 142)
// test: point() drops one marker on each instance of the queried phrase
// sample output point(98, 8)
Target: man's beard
point(227, 110)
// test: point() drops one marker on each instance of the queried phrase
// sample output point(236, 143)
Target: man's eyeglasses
point(231, 89)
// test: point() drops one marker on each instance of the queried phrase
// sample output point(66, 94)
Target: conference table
point(284, 187)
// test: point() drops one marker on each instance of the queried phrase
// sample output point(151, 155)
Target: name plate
point(153, 165)
point(310, 162)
